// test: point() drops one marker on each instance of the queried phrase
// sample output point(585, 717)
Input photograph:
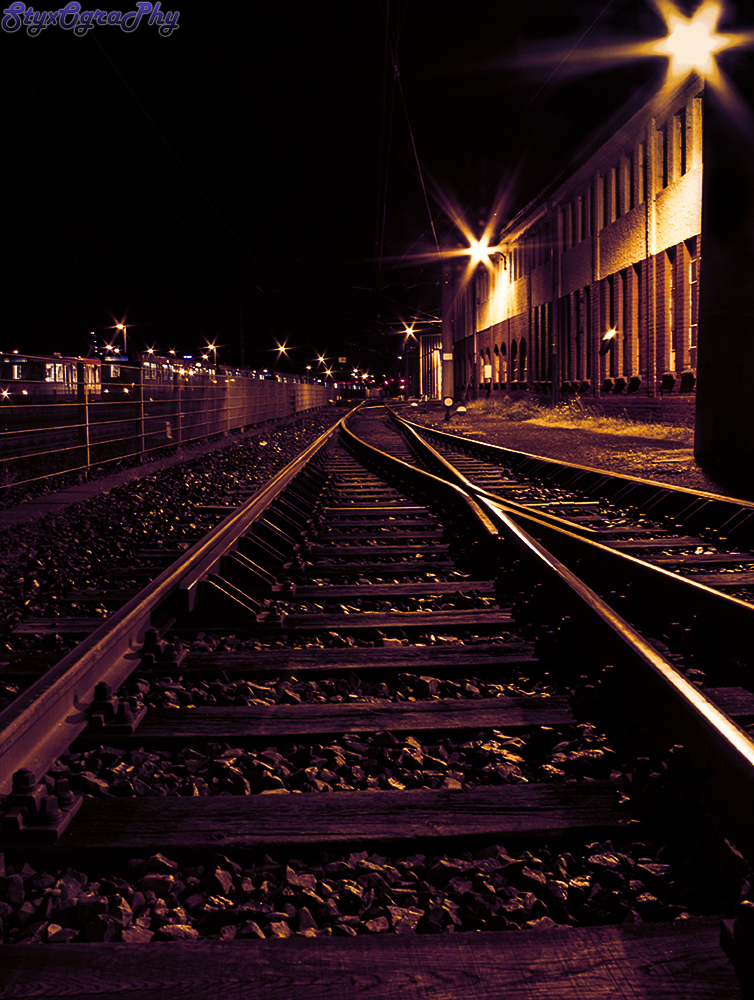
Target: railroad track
point(700, 536)
point(383, 728)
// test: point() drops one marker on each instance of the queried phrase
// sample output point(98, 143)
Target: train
point(31, 378)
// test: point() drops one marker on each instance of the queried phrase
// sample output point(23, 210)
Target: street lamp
point(122, 326)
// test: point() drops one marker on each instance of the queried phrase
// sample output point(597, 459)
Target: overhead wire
point(510, 125)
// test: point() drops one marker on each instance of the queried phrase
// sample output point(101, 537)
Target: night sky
point(257, 170)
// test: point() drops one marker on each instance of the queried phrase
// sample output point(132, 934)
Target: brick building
point(594, 286)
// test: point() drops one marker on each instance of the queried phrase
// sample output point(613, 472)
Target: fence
point(132, 418)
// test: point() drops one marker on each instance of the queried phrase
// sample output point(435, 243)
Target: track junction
point(524, 684)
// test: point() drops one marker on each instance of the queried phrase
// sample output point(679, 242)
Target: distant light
point(479, 251)
point(692, 43)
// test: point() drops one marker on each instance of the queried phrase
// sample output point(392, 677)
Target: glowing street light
point(479, 252)
point(607, 341)
point(692, 43)
point(122, 326)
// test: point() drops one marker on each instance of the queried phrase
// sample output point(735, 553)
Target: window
point(567, 226)
point(585, 215)
point(642, 154)
point(617, 175)
point(631, 179)
point(682, 147)
point(670, 310)
point(694, 300)
point(605, 200)
point(664, 164)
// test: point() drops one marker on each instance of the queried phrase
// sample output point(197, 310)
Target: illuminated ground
point(659, 458)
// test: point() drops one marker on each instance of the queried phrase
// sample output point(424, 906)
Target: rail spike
point(113, 716)
point(30, 814)
point(157, 652)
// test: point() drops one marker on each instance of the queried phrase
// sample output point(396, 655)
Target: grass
point(573, 416)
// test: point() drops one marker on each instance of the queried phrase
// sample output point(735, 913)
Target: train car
point(30, 378)
point(55, 378)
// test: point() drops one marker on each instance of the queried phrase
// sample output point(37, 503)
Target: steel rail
point(614, 487)
point(658, 697)
point(728, 621)
point(449, 471)
point(667, 706)
point(39, 725)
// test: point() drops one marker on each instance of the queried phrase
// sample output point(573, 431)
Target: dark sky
point(256, 169)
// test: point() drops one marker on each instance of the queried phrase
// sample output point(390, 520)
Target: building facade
point(594, 285)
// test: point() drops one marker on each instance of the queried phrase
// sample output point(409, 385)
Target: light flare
point(692, 43)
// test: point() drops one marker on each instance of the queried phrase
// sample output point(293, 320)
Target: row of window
point(615, 192)
point(626, 185)
point(603, 330)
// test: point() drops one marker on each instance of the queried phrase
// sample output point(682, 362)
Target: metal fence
point(131, 418)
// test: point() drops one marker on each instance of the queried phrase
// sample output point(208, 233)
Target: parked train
point(30, 378)
point(57, 379)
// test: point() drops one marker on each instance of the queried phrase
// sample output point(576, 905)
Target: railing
point(130, 420)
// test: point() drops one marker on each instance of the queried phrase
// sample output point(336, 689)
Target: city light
point(122, 328)
point(607, 341)
point(480, 251)
point(692, 43)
